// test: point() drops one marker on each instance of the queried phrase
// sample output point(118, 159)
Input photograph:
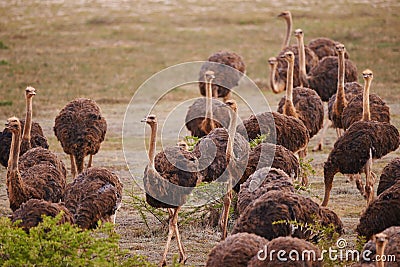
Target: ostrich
point(365, 106)
point(81, 129)
point(38, 174)
point(95, 194)
point(287, 16)
point(354, 150)
point(390, 175)
point(283, 130)
point(30, 213)
point(199, 120)
point(276, 205)
point(302, 103)
point(32, 132)
point(286, 245)
point(384, 243)
point(168, 179)
point(345, 92)
point(382, 213)
point(260, 182)
point(236, 250)
point(270, 155)
point(228, 145)
point(228, 72)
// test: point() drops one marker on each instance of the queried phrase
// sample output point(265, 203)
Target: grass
point(105, 51)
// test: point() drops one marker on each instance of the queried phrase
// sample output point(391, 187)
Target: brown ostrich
point(345, 92)
point(323, 78)
point(81, 129)
point(270, 155)
point(276, 205)
point(382, 213)
point(215, 152)
point(384, 243)
point(228, 68)
point(30, 213)
point(94, 195)
point(283, 130)
point(390, 175)
point(354, 150)
point(32, 132)
point(236, 250)
point(287, 251)
point(202, 117)
point(168, 179)
point(38, 174)
point(302, 103)
point(325, 47)
point(260, 182)
point(365, 106)
point(287, 16)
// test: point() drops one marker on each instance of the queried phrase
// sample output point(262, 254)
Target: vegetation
point(258, 140)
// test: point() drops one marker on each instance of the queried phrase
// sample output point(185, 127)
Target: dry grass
point(105, 50)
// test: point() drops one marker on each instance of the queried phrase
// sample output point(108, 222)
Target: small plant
point(191, 141)
point(6, 103)
point(3, 46)
point(53, 244)
point(3, 62)
point(307, 189)
point(258, 140)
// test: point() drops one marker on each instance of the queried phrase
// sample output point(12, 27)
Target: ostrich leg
point(369, 180)
point(182, 256)
point(73, 165)
point(90, 161)
point(225, 214)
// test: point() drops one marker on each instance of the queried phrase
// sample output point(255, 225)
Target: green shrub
point(52, 244)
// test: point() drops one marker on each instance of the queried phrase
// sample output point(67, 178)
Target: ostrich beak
point(7, 124)
point(143, 120)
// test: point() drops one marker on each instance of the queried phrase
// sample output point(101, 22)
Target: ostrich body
point(260, 182)
point(382, 213)
point(236, 250)
point(94, 195)
point(32, 132)
point(30, 213)
point(270, 155)
point(276, 205)
point(38, 174)
point(324, 47)
point(171, 167)
point(365, 106)
point(302, 103)
point(287, 244)
point(390, 175)
point(384, 243)
point(228, 73)
point(199, 120)
point(283, 130)
point(81, 129)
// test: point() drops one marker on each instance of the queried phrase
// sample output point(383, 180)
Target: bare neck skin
point(340, 95)
point(380, 250)
point(275, 87)
point(209, 119)
point(28, 120)
point(366, 116)
point(153, 139)
point(288, 108)
point(14, 151)
point(302, 59)
point(286, 41)
point(231, 137)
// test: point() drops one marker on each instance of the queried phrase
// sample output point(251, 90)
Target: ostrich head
point(285, 14)
point(150, 119)
point(183, 145)
point(298, 33)
point(30, 92)
point(13, 124)
point(209, 76)
point(232, 104)
point(272, 61)
point(367, 74)
point(288, 56)
point(340, 48)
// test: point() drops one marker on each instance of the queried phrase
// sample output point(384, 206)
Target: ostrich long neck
point(231, 136)
point(380, 250)
point(275, 87)
point(152, 149)
point(366, 116)
point(288, 108)
point(286, 41)
point(302, 60)
point(209, 110)
point(340, 95)
point(14, 151)
point(28, 120)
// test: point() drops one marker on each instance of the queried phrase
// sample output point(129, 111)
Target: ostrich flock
point(262, 176)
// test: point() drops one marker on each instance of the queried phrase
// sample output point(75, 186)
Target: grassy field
point(105, 50)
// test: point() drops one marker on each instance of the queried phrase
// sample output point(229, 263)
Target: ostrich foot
point(317, 147)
